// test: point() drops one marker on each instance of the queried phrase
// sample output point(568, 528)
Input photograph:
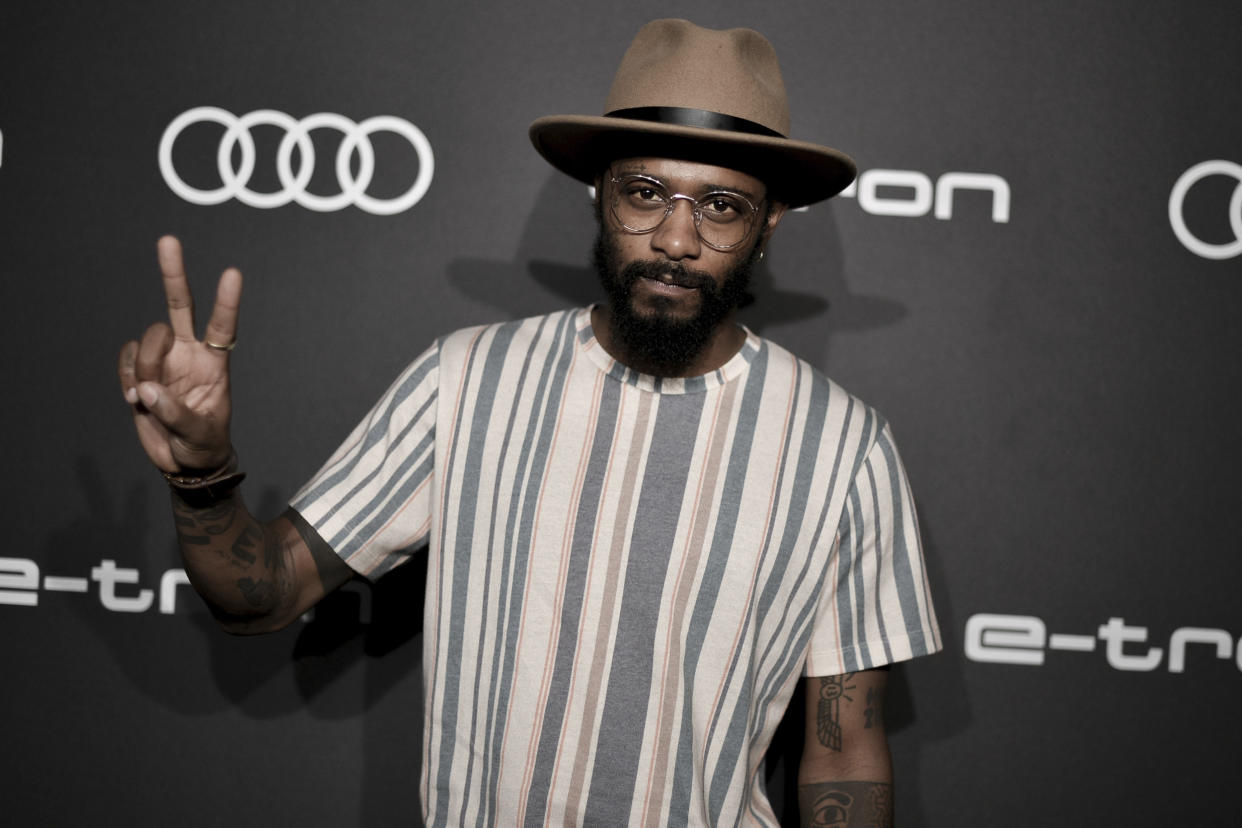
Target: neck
point(725, 342)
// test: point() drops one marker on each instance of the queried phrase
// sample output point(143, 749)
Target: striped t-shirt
point(627, 575)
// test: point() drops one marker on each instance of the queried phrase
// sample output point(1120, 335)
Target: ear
point(775, 213)
point(595, 197)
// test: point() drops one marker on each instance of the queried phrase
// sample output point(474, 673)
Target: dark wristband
point(202, 490)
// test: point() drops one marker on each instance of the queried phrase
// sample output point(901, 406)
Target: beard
point(667, 344)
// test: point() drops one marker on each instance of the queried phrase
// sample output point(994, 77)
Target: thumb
point(172, 414)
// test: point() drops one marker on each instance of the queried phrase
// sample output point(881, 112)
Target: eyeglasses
point(722, 218)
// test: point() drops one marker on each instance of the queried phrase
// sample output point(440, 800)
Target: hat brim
point(796, 173)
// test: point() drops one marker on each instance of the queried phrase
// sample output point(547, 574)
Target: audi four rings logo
point(357, 138)
point(1192, 242)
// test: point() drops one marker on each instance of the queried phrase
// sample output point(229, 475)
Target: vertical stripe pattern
point(626, 575)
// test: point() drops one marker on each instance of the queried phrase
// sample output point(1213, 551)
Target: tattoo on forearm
point(255, 592)
point(239, 541)
point(828, 720)
point(187, 530)
point(846, 804)
point(219, 519)
point(249, 539)
point(181, 519)
point(202, 527)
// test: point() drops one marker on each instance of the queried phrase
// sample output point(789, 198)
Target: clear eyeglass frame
point(746, 210)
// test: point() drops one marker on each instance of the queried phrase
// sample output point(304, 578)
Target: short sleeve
point(877, 607)
point(372, 500)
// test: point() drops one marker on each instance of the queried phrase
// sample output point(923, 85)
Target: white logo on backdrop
point(1023, 639)
point(357, 138)
point(1192, 242)
point(923, 196)
point(120, 588)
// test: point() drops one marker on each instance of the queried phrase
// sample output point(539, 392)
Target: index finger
point(176, 288)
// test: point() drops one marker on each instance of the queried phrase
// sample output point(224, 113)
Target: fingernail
point(131, 395)
point(148, 394)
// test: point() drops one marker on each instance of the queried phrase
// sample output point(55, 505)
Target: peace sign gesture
point(177, 385)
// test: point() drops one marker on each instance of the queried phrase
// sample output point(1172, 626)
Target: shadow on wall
point(552, 269)
point(347, 626)
point(361, 643)
point(912, 721)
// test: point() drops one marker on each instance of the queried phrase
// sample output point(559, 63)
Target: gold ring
point(228, 347)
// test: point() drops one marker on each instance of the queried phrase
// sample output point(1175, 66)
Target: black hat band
point(702, 118)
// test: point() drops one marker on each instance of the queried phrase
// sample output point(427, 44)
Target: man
point(644, 524)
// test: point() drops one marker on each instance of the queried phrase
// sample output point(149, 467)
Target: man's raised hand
point(178, 386)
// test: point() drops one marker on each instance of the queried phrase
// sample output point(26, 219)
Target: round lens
point(639, 204)
point(725, 218)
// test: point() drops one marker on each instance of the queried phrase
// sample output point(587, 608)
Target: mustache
point(674, 273)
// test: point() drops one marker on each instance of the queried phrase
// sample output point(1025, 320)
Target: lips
point(669, 290)
point(675, 276)
point(672, 281)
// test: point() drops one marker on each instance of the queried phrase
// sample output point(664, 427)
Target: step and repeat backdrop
point(1037, 277)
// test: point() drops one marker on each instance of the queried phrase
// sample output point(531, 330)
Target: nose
point(677, 237)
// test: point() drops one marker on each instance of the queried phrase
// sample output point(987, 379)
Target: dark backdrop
point(1059, 362)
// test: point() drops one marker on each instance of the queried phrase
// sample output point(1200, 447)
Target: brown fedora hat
point(710, 96)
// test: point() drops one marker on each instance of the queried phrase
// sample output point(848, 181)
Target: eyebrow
point(707, 188)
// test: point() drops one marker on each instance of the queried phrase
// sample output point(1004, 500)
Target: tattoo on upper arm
point(846, 804)
point(828, 719)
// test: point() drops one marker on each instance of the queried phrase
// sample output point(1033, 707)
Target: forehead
point(690, 176)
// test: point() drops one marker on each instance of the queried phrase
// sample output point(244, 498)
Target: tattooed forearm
point(250, 539)
point(221, 543)
point(201, 527)
point(832, 689)
point(255, 592)
point(188, 530)
point(262, 591)
point(846, 804)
